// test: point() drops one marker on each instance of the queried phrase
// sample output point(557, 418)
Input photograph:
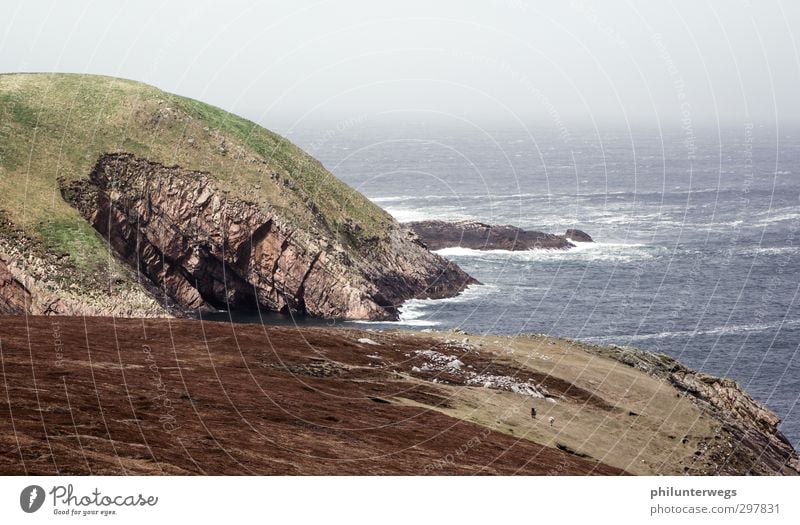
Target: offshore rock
point(437, 235)
point(576, 235)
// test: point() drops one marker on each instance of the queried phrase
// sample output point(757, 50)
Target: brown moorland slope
point(156, 397)
point(162, 396)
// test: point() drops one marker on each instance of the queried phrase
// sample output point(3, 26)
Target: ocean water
point(697, 231)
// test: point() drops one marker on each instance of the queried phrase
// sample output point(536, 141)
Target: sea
point(696, 229)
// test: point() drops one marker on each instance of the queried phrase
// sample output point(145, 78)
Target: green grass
point(78, 241)
point(335, 200)
point(57, 126)
point(15, 110)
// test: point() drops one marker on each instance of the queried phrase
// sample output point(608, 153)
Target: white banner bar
point(658, 500)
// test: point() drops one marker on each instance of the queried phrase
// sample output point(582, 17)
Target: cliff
point(172, 205)
point(206, 248)
point(437, 235)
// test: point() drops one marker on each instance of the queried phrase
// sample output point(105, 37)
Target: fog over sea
point(697, 232)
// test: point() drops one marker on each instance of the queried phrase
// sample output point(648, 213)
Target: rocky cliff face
point(437, 235)
point(748, 440)
point(202, 248)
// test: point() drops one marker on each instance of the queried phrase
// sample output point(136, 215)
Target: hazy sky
point(534, 61)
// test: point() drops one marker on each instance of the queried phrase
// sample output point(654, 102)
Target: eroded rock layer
point(14, 297)
point(203, 248)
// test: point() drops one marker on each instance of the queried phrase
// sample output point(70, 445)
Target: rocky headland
point(159, 205)
point(207, 249)
point(437, 235)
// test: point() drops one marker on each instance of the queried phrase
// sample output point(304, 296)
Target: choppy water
point(698, 244)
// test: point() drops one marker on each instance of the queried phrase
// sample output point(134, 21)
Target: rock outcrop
point(36, 281)
point(14, 297)
point(758, 447)
point(437, 235)
point(202, 248)
point(575, 235)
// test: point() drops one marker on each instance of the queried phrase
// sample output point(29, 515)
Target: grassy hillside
point(57, 125)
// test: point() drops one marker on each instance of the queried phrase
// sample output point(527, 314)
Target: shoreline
point(257, 399)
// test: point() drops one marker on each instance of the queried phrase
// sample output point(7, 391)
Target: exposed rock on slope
point(479, 236)
point(206, 248)
point(14, 297)
point(759, 447)
point(36, 281)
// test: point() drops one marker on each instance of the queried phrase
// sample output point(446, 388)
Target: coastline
point(170, 396)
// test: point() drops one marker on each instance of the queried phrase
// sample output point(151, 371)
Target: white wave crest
point(396, 198)
point(414, 311)
point(770, 251)
point(583, 251)
point(415, 214)
point(719, 330)
point(778, 216)
point(401, 322)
